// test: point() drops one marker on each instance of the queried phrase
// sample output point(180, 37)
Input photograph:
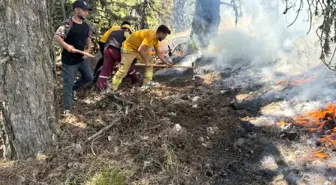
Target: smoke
point(261, 36)
point(262, 50)
point(183, 14)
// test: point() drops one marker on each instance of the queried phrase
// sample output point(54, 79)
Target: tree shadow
point(261, 144)
point(215, 146)
point(224, 162)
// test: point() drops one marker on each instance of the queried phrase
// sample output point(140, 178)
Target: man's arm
point(160, 55)
point(126, 34)
point(58, 37)
point(142, 51)
point(63, 44)
point(88, 45)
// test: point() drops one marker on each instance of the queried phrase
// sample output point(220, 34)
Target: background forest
point(141, 13)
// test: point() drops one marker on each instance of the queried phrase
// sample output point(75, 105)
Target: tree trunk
point(206, 21)
point(143, 21)
point(28, 86)
point(64, 14)
point(179, 23)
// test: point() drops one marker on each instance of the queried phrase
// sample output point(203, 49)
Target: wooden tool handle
point(84, 53)
point(165, 66)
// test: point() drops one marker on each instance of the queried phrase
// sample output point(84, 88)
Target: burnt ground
point(185, 132)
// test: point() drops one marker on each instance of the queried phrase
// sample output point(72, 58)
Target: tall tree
point(143, 20)
point(179, 15)
point(28, 84)
point(183, 13)
point(206, 21)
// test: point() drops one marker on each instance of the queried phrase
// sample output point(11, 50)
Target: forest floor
point(183, 132)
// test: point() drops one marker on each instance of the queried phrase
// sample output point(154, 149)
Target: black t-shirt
point(116, 38)
point(77, 37)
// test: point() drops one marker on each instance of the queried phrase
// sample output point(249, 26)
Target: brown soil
point(145, 143)
point(164, 139)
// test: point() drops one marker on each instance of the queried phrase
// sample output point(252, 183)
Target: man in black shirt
point(74, 34)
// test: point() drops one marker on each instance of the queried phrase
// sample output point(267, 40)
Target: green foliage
point(109, 177)
point(170, 162)
point(108, 13)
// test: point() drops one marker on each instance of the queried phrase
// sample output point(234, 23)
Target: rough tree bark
point(206, 21)
point(64, 14)
point(179, 23)
point(28, 84)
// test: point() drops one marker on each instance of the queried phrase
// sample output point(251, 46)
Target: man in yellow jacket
point(137, 44)
point(102, 43)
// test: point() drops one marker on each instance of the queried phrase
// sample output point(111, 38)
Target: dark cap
point(81, 4)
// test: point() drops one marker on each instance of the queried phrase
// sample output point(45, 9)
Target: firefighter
point(136, 44)
point(102, 43)
point(112, 56)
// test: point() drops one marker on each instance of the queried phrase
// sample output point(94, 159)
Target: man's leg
point(86, 75)
point(107, 69)
point(100, 62)
point(68, 75)
point(132, 74)
point(126, 61)
point(148, 71)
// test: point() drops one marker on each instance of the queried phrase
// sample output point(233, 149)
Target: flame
point(281, 123)
point(332, 165)
point(297, 82)
point(321, 155)
point(322, 121)
point(179, 53)
point(151, 52)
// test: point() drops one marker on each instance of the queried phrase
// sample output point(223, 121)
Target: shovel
point(167, 66)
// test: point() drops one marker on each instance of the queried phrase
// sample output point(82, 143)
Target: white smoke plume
point(263, 50)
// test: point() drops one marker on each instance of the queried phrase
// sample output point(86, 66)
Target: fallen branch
point(121, 100)
point(114, 123)
point(92, 146)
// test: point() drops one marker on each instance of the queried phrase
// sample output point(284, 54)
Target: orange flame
point(321, 120)
point(281, 123)
point(296, 82)
point(179, 53)
point(151, 52)
point(321, 155)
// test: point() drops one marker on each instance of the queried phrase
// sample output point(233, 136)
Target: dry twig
point(92, 145)
point(115, 122)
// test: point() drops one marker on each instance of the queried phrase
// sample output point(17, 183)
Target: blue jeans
point(69, 73)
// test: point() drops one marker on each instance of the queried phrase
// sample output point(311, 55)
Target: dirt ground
point(190, 132)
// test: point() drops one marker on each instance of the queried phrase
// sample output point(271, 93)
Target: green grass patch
point(109, 177)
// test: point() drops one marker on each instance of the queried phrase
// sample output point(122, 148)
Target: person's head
point(162, 32)
point(81, 9)
point(126, 25)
